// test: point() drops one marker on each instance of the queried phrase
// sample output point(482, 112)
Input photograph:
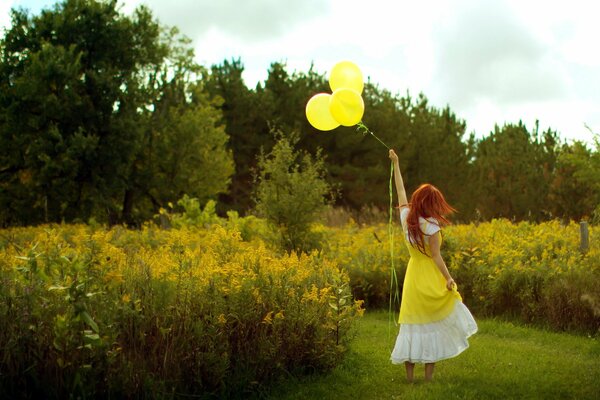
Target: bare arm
point(434, 245)
point(402, 201)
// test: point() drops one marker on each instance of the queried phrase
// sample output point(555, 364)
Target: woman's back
point(428, 227)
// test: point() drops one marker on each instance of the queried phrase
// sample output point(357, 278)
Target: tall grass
point(208, 309)
point(533, 272)
point(154, 313)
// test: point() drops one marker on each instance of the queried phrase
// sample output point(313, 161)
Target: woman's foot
point(410, 371)
point(429, 372)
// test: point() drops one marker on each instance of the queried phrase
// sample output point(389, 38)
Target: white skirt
point(435, 341)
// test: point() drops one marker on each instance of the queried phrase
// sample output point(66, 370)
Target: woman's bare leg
point(410, 369)
point(429, 371)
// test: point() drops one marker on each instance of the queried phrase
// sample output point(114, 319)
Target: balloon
point(347, 106)
point(317, 112)
point(346, 74)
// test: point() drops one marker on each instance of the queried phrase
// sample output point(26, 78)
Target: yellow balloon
point(347, 106)
point(318, 114)
point(346, 74)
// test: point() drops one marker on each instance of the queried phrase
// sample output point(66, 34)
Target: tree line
point(107, 117)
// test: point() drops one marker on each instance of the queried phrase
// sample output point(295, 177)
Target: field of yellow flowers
point(152, 313)
point(532, 272)
point(216, 310)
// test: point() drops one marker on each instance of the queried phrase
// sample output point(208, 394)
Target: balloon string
point(394, 287)
point(362, 127)
point(394, 294)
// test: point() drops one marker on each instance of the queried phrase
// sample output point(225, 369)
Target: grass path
point(504, 361)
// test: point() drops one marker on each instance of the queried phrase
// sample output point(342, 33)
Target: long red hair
point(426, 202)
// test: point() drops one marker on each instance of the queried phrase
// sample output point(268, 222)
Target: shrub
point(533, 272)
point(364, 252)
point(152, 313)
point(291, 193)
point(193, 214)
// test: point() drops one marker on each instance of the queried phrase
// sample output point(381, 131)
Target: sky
point(491, 62)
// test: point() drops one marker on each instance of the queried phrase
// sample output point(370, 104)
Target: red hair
point(426, 202)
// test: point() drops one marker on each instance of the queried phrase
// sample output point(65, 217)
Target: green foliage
point(57, 296)
point(246, 117)
point(194, 215)
point(158, 313)
point(183, 152)
point(100, 117)
point(250, 227)
point(69, 108)
point(107, 117)
point(533, 272)
point(575, 190)
point(513, 169)
point(292, 192)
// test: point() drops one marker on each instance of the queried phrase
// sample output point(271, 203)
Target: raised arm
point(402, 201)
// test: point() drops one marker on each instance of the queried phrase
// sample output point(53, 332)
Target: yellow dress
point(434, 323)
point(425, 297)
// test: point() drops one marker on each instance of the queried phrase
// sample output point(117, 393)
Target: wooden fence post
point(585, 236)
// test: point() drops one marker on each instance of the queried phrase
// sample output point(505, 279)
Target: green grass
point(504, 361)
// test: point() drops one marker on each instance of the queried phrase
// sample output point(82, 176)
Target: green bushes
point(153, 313)
point(364, 252)
point(534, 272)
point(198, 310)
point(291, 193)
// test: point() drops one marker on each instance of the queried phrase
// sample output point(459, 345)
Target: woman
point(434, 323)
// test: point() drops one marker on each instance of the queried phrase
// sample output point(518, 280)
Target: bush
point(195, 217)
point(291, 193)
point(152, 313)
point(533, 272)
point(193, 214)
point(364, 252)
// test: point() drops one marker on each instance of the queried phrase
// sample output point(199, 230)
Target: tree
point(79, 84)
point(428, 141)
point(69, 105)
point(575, 188)
point(246, 115)
point(184, 144)
point(436, 154)
point(291, 192)
point(513, 170)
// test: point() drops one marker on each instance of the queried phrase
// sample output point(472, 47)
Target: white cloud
point(33, 6)
point(486, 53)
point(491, 62)
point(5, 14)
point(246, 20)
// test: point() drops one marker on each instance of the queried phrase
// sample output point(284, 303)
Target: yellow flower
point(114, 277)
point(268, 319)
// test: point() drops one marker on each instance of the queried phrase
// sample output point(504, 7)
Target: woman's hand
point(450, 283)
point(393, 156)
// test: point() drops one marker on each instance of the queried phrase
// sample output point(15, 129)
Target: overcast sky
point(491, 61)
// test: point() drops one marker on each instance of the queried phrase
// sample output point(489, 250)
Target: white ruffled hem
point(429, 343)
